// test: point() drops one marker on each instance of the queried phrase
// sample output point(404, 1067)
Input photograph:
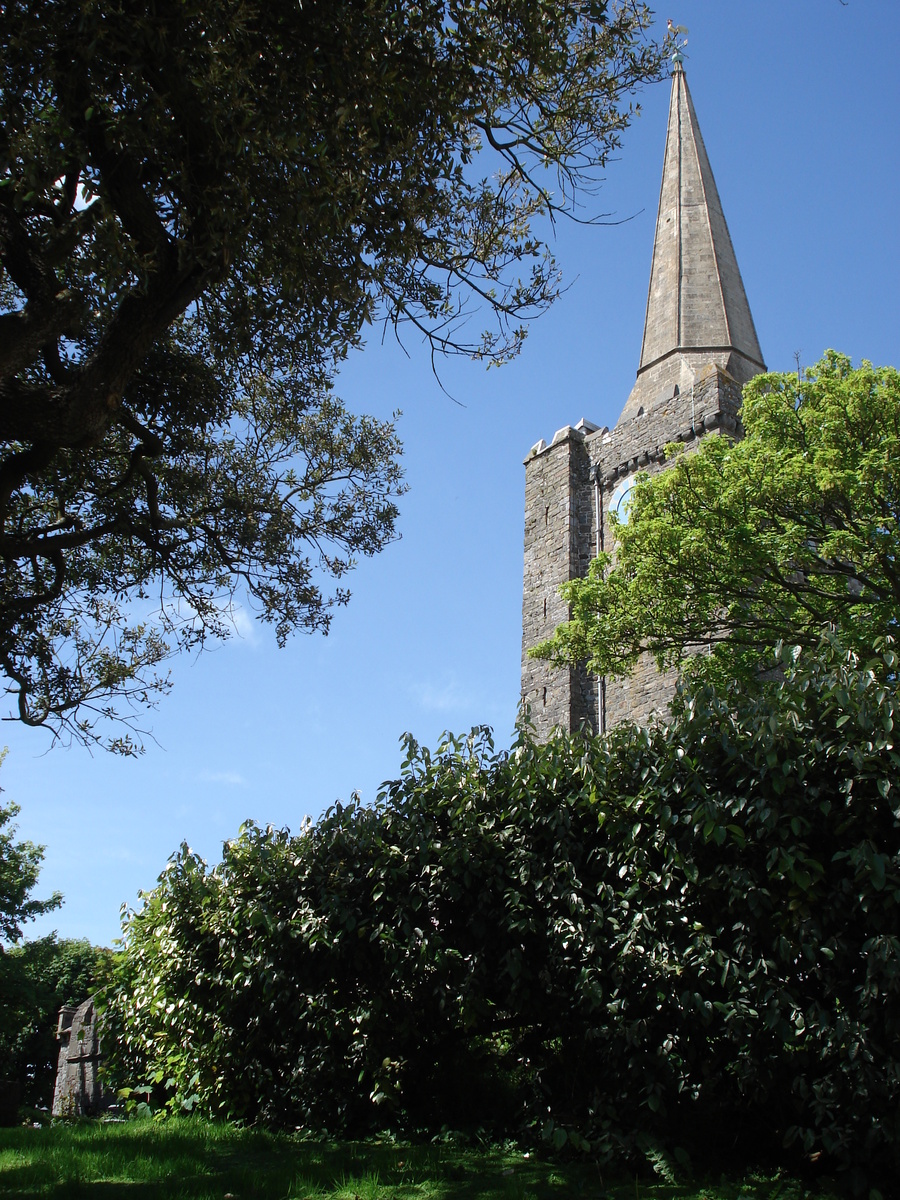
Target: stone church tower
point(699, 348)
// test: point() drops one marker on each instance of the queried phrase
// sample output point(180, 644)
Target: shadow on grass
point(193, 1160)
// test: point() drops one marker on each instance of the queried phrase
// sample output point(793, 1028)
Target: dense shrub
point(682, 935)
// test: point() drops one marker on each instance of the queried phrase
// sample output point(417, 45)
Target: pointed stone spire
point(697, 310)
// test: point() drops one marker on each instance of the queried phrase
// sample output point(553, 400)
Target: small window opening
point(545, 608)
point(547, 515)
point(545, 697)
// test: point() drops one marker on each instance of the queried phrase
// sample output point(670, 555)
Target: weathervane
point(673, 33)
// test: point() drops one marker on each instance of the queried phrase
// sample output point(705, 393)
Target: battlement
point(579, 432)
point(639, 444)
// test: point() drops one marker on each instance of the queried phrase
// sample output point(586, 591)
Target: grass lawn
point(191, 1160)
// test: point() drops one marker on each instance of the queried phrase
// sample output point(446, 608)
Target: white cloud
point(120, 854)
point(448, 696)
point(232, 778)
point(245, 627)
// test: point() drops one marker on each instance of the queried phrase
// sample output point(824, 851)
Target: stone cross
point(78, 1092)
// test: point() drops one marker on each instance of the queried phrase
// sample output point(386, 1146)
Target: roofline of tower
point(702, 350)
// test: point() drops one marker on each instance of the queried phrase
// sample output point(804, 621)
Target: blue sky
point(799, 105)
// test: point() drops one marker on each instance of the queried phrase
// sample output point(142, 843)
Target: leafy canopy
point(20, 864)
point(201, 206)
point(739, 545)
point(19, 868)
point(676, 936)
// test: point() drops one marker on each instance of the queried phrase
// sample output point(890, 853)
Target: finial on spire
point(673, 33)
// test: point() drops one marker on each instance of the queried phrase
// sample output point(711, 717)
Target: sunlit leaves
point(734, 546)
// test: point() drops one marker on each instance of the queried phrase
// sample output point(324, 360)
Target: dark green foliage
point(680, 937)
point(203, 203)
point(36, 980)
point(339, 955)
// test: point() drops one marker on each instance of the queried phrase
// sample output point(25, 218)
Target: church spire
point(697, 310)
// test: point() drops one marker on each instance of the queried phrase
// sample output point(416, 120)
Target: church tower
point(699, 348)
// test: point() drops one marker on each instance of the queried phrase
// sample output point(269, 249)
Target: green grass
point(191, 1160)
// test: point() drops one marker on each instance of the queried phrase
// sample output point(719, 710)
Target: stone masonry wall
point(639, 444)
point(566, 485)
point(711, 406)
point(558, 547)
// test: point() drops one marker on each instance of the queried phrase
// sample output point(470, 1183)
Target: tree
point(201, 206)
point(20, 864)
point(37, 977)
point(739, 545)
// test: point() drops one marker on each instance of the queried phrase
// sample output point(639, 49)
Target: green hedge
point(682, 937)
